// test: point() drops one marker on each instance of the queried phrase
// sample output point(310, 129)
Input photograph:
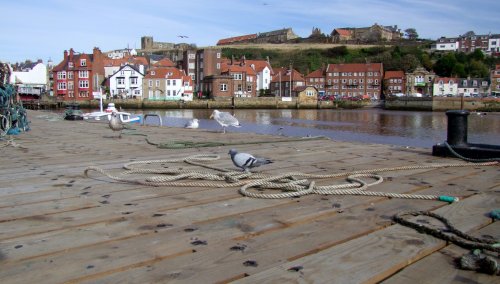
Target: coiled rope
point(290, 184)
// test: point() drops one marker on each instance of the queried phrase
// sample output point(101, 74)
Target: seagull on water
point(192, 124)
point(247, 161)
point(225, 119)
point(115, 123)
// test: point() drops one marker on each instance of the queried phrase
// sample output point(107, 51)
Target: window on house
point(157, 83)
point(150, 83)
point(83, 62)
point(70, 75)
point(61, 75)
point(223, 87)
point(83, 74)
point(70, 64)
point(249, 88)
point(133, 80)
point(83, 84)
point(61, 86)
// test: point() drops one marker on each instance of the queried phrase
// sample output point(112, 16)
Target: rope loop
point(289, 185)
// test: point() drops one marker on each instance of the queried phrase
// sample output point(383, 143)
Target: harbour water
point(372, 125)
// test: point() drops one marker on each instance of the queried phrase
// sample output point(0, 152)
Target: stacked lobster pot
point(13, 116)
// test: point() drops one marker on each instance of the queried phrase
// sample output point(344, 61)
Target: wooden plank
point(376, 256)
point(152, 238)
point(441, 266)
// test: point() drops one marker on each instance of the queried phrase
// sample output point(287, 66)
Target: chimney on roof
point(71, 52)
point(65, 54)
point(232, 59)
point(242, 63)
point(267, 59)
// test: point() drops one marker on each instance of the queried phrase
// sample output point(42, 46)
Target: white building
point(263, 72)
point(167, 84)
point(126, 83)
point(30, 78)
point(445, 87)
point(494, 44)
point(446, 44)
point(473, 87)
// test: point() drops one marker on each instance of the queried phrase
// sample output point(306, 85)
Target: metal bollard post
point(457, 127)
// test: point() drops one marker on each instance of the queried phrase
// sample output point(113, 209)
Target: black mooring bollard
point(457, 140)
point(457, 127)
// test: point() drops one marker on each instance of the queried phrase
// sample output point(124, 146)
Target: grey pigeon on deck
point(192, 124)
point(225, 119)
point(116, 124)
point(247, 161)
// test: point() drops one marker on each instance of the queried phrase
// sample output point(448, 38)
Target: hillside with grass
point(309, 57)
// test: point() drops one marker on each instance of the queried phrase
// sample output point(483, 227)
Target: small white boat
point(125, 117)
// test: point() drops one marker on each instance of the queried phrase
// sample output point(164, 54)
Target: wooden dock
point(58, 225)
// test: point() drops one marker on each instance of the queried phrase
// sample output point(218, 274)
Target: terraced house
point(363, 80)
point(78, 75)
point(167, 84)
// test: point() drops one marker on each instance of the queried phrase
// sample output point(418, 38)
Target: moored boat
point(73, 112)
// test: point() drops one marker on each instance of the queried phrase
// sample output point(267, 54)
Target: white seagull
point(225, 119)
point(246, 161)
point(115, 123)
point(192, 124)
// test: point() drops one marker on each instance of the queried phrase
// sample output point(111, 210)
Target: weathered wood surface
point(59, 226)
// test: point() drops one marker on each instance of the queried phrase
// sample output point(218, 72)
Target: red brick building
point(354, 80)
point(285, 82)
point(317, 80)
point(78, 75)
point(219, 86)
point(394, 82)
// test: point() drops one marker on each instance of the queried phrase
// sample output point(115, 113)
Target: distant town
point(162, 71)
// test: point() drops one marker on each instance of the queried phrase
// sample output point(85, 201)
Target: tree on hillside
point(444, 65)
point(477, 69)
point(411, 34)
point(477, 55)
point(459, 71)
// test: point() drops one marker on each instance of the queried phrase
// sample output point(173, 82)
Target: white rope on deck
point(292, 184)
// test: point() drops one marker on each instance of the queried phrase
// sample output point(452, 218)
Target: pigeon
point(115, 123)
point(225, 119)
point(246, 161)
point(192, 124)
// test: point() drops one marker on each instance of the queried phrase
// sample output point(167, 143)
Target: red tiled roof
point(165, 62)
point(259, 65)
point(316, 74)
point(343, 32)
point(138, 60)
point(238, 68)
point(394, 74)
point(236, 39)
point(161, 73)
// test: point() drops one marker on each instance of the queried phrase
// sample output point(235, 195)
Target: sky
point(34, 29)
